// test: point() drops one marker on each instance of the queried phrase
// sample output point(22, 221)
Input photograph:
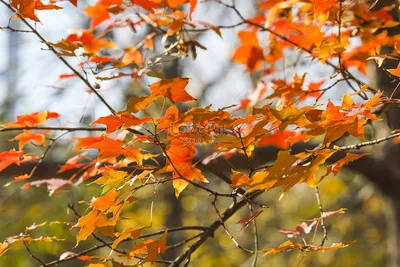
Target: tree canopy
point(289, 129)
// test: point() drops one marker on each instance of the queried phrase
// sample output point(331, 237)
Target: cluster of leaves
point(276, 113)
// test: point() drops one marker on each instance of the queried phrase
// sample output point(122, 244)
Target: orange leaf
point(113, 123)
point(174, 89)
point(104, 202)
point(86, 142)
point(30, 120)
point(90, 43)
point(98, 14)
point(181, 156)
point(239, 179)
point(132, 56)
point(396, 71)
point(193, 4)
point(26, 8)
point(3, 248)
point(249, 53)
point(9, 157)
point(127, 232)
point(136, 103)
point(288, 245)
point(337, 166)
point(28, 136)
point(109, 148)
point(155, 248)
point(149, 5)
point(72, 163)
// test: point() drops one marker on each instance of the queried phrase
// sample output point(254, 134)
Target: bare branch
point(321, 211)
point(211, 230)
point(32, 255)
point(369, 143)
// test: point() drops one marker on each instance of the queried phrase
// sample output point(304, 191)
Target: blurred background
point(29, 82)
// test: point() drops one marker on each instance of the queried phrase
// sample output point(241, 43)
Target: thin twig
point(66, 63)
point(214, 203)
point(33, 256)
point(321, 210)
point(184, 241)
point(369, 143)
point(47, 150)
point(85, 252)
point(255, 233)
point(229, 212)
point(284, 38)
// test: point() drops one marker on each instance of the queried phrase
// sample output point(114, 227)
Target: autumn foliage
point(136, 147)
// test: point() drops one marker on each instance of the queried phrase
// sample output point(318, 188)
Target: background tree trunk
point(382, 80)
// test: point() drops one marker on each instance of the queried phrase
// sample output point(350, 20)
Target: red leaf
point(28, 136)
point(9, 157)
point(33, 119)
point(72, 163)
point(193, 4)
point(246, 221)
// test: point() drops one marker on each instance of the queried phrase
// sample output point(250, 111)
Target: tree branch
point(212, 228)
point(52, 49)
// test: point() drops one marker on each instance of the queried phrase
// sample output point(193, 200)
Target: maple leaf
point(246, 221)
point(72, 163)
point(88, 223)
point(286, 246)
point(94, 219)
point(288, 93)
point(3, 248)
point(239, 179)
point(149, 5)
point(283, 139)
point(180, 164)
point(89, 42)
point(136, 104)
point(10, 157)
point(96, 265)
point(174, 89)
point(322, 6)
point(111, 179)
point(86, 142)
point(328, 214)
point(132, 233)
point(106, 201)
point(53, 184)
point(122, 120)
point(66, 48)
point(32, 119)
point(26, 8)
point(334, 246)
point(132, 56)
point(101, 11)
point(337, 166)
point(28, 136)
point(155, 248)
point(300, 230)
point(193, 4)
point(288, 170)
point(109, 148)
point(249, 53)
